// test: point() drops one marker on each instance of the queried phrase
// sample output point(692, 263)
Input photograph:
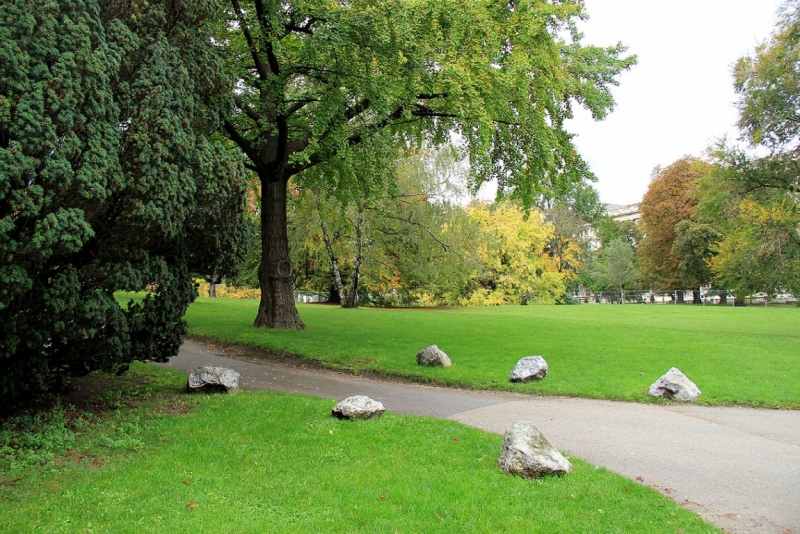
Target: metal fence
point(715, 297)
point(710, 297)
point(654, 296)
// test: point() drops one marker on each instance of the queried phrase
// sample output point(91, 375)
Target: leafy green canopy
point(768, 83)
point(107, 182)
point(752, 200)
point(317, 77)
point(320, 80)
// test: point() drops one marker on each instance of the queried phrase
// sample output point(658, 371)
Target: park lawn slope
point(748, 356)
point(262, 461)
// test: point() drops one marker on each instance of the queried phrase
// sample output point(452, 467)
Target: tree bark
point(337, 276)
point(352, 296)
point(277, 308)
point(696, 297)
point(680, 297)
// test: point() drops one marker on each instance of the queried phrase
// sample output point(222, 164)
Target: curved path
point(737, 467)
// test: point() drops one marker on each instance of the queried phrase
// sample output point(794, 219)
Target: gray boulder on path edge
point(529, 368)
point(213, 379)
point(526, 452)
point(358, 407)
point(674, 385)
point(433, 356)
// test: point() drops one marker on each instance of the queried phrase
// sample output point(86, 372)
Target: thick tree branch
point(266, 36)
point(262, 69)
point(245, 145)
point(247, 110)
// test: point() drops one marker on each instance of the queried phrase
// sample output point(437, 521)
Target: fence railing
point(714, 297)
point(655, 296)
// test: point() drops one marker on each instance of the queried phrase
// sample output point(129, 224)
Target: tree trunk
point(352, 296)
point(212, 289)
point(337, 276)
point(680, 297)
point(723, 298)
point(696, 297)
point(277, 309)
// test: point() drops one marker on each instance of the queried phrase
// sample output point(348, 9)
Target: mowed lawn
point(748, 356)
point(268, 462)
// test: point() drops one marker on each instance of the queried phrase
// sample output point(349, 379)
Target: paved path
point(737, 467)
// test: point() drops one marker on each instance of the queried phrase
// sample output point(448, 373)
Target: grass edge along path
point(736, 356)
point(261, 459)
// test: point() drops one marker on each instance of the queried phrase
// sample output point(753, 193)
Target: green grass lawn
point(269, 462)
point(748, 356)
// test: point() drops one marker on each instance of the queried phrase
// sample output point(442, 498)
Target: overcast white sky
point(679, 98)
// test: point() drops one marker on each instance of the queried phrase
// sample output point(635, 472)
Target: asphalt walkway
point(737, 467)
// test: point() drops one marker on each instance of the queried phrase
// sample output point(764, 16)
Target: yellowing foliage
point(516, 267)
point(226, 292)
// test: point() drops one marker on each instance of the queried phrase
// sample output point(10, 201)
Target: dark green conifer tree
point(109, 181)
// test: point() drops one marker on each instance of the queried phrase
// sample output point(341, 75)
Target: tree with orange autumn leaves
point(668, 201)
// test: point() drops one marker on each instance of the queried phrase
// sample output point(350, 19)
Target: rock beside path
point(433, 356)
point(358, 407)
point(529, 368)
point(526, 452)
point(674, 385)
point(213, 379)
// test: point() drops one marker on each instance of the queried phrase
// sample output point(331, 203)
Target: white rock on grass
point(529, 368)
point(212, 379)
point(526, 452)
point(358, 407)
point(674, 385)
point(433, 356)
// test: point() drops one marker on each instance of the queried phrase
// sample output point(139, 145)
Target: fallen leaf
point(600, 510)
point(193, 505)
point(330, 432)
point(186, 482)
point(680, 530)
point(640, 479)
point(455, 440)
point(383, 495)
point(641, 374)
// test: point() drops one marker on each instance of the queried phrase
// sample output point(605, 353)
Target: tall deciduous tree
point(108, 182)
point(753, 200)
point(669, 200)
point(406, 241)
point(768, 83)
point(516, 268)
point(617, 267)
point(316, 78)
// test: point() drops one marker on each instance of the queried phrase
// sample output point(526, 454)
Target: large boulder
point(433, 356)
point(526, 452)
point(529, 368)
point(674, 385)
point(358, 407)
point(213, 379)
